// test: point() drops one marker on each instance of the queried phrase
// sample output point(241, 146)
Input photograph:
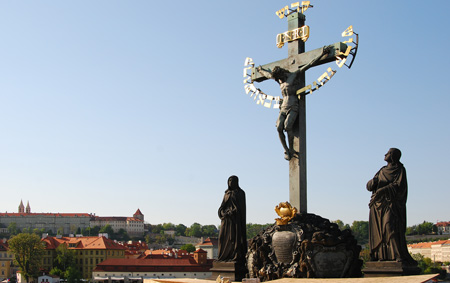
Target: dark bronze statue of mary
point(233, 235)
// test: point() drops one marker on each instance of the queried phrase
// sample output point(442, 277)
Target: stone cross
point(297, 57)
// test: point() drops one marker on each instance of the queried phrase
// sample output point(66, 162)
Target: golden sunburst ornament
point(286, 212)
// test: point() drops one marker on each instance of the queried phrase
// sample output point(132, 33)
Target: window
point(96, 252)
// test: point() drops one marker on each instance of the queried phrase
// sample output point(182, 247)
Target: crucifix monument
point(290, 74)
point(299, 245)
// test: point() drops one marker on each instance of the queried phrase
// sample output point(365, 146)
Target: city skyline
point(110, 106)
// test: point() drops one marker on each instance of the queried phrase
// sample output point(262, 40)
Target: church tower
point(21, 207)
point(138, 214)
point(28, 207)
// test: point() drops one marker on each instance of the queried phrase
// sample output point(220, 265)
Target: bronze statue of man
point(233, 229)
point(289, 84)
point(387, 217)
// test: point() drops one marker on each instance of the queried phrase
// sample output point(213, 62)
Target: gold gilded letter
point(248, 61)
point(348, 32)
point(303, 90)
point(245, 71)
point(323, 78)
point(280, 13)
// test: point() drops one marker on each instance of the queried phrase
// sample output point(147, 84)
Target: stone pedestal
point(233, 270)
point(389, 268)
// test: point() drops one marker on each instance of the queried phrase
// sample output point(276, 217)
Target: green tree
point(72, 274)
point(156, 228)
point(195, 230)
point(12, 229)
point(425, 228)
point(107, 229)
point(209, 231)
point(161, 239)
point(27, 250)
point(254, 229)
point(88, 231)
point(360, 230)
point(148, 239)
point(64, 257)
point(180, 229)
point(122, 235)
point(27, 230)
point(168, 226)
point(341, 225)
point(170, 240)
point(188, 247)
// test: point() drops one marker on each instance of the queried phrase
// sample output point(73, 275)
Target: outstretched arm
point(263, 72)
point(325, 50)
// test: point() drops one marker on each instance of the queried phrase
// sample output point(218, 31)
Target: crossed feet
point(290, 154)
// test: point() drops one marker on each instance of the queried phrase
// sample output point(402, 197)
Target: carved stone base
point(389, 268)
point(309, 246)
point(233, 270)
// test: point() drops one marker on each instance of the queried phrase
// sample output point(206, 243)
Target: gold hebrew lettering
point(257, 91)
point(296, 4)
point(248, 61)
point(280, 13)
point(346, 51)
point(303, 90)
point(248, 88)
point(315, 86)
point(340, 61)
point(245, 71)
point(248, 80)
point(323, 78)
point(269, 100)
point(261, 99)
point(305, 6)
point(332, 72)
point(277, 103)
point(350, 40)
point(348, 32)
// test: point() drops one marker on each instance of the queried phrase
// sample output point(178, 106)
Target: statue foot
point(293, 153)
point(287, 156)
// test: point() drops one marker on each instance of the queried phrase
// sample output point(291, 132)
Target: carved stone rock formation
point(309, 246)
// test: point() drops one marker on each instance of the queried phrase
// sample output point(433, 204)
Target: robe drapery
point(387, 217)
point(233, 235)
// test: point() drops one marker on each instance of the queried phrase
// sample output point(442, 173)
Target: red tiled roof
point(89, 243)
point(447, 223)
point(152, 265)
point(427, 245)
point(209, 242)
point(138, 212)
point(46, 214)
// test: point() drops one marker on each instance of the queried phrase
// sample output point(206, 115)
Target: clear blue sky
point(110, 106)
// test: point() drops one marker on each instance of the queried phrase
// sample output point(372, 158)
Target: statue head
point(233, 182)
point(393, 155)
point(278, 72)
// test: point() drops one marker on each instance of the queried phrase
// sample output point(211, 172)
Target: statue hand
point(326, 49)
